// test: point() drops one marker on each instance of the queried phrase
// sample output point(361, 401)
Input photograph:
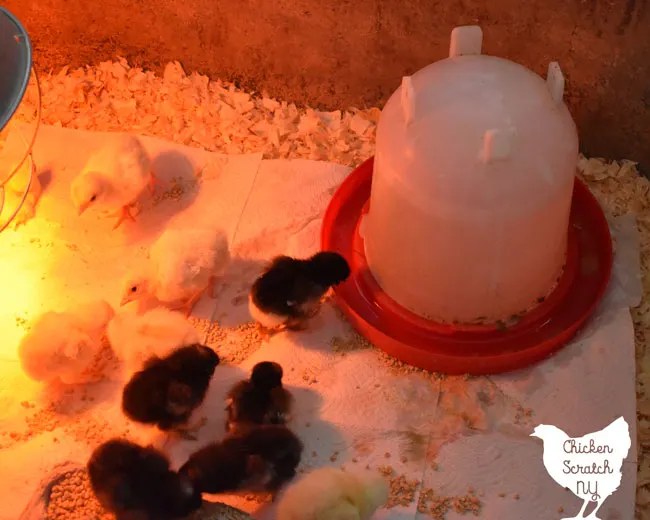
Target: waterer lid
point(462, 129)
point(468, 41)
point(15, 64)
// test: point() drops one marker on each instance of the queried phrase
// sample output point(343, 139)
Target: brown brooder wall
point(341, 53)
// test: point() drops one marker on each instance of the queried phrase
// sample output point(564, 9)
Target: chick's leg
point(211, 285)
point(191, 302)
point(124, 214)
point(153, 181)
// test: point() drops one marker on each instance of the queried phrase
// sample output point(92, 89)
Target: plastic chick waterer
point(474, 249)
point(471, 191)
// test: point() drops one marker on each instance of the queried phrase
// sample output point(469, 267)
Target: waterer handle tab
point(408, 100)
point(555, 82)
point(466, 40)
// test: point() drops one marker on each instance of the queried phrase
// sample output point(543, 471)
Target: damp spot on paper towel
point(415, 446)
point(364, 445)
point(351, 344)
point(523, 416)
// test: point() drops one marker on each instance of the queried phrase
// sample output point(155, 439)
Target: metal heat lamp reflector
point(15, 70)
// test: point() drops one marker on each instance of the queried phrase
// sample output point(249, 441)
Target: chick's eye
point(134, 289)
point(92, 199)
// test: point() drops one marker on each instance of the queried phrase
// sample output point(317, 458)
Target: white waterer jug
point(471, 192)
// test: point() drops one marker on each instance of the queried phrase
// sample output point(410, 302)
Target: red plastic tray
point(468, 349)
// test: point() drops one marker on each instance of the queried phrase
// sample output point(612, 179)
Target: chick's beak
point(126, 299)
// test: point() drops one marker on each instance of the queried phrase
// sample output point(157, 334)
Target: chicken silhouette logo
point(589, 466)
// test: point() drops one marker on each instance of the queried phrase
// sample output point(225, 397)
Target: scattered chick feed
point(437, 507)
point(402, 490)
point(72, 498)
point(234, 344)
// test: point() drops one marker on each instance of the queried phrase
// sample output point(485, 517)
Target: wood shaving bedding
point(216, 116)
point(191, 110)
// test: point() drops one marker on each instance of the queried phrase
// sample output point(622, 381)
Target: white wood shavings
point(192, 110)
point(621, 190)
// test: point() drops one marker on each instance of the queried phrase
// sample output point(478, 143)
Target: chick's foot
point(124, 214)
point(211, 287)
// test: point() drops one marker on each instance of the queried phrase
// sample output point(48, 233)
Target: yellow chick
point(14, 190)
point(184, 263)
point(113, 178)
point(63, 345)
point(157, 332)
point(333, 494)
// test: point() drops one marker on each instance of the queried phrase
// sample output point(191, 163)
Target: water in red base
point(468, 349)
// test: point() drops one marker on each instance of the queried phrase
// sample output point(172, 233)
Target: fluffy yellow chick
point(14, 190)
point(113, 178)
point(184, 263)
point(158, 332)
point(64, 345)
point(332, 494)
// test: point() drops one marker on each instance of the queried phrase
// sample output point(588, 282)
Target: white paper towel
point(369, 411)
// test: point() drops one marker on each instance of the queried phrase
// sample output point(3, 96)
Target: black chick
point(259, 400)
point(262, 458)
point(167, 390)
point(289, 291)
point(132, 481)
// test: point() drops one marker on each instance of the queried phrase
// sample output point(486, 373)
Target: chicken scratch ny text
point(571, 446)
